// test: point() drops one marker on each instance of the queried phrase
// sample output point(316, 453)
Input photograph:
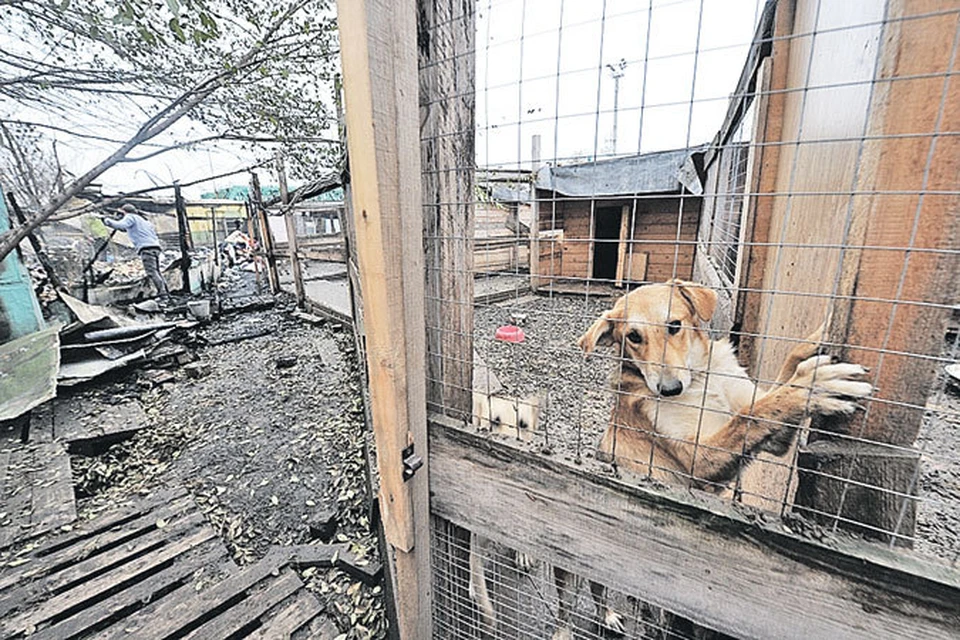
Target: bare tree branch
point(155, 125)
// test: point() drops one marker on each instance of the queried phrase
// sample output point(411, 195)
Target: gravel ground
point(264, 449)
point(549, 364)
point(938, 513)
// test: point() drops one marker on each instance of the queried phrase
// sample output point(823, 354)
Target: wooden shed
point(502, 219)
point(630, 219)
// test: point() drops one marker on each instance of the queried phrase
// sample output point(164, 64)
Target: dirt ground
point(268, 440)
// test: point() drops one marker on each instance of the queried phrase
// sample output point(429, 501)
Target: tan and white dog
point(507, 415)
point(686, 412)
point(511, 417)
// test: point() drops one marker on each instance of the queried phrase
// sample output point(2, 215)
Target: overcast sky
point(541, 69)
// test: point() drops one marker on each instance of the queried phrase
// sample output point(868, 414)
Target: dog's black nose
point(673, 388)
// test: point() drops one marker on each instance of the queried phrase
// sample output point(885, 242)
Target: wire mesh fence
point(531, 599)
point(710, 244)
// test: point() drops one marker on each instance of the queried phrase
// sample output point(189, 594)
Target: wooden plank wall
point(654, 234)
point(878, 140)
point(732, 573)
point(813, 178)
point(505, 254)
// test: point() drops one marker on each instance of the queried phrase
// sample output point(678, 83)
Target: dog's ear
point(600, 333)
point(701, 300)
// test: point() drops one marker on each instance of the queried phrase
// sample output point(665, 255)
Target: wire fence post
point(378, 49)
point(295, 270)
point(446, 73)
point(266, 235)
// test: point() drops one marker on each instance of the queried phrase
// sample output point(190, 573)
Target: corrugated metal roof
point(510, 192)
point(659, 172)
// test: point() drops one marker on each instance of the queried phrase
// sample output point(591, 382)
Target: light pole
point(616, 71)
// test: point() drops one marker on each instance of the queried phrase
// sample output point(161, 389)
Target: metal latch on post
point(411, 462)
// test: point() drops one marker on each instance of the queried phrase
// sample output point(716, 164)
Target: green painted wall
point(19, 309)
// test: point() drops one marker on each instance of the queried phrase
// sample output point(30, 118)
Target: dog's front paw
point(613, 621)
point(831, 388)
point(563, 632)
point(523, 562)
point(812, 344)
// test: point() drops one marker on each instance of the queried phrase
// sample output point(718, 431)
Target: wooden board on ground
point(79, 426)
point(152, 569)
point(37, 492)
point(28, 366)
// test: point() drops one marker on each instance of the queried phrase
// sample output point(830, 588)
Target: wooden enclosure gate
point(409, 88)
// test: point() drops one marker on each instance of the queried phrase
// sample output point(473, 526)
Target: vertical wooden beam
point(534, 244)
point(252, 227)
point(535, 239)
point(183, 229)
point(379, 56)
point(899, 275)
point(213, 235)
point(266, 236)
point(625, 239)
point(771, 103)
point(291, 234)
point(446, 37)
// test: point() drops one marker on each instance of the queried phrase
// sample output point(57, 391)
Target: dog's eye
point(673, 327)
point(634, 337)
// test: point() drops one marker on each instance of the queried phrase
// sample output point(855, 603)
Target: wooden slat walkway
point(36, 491)
point(153, 568)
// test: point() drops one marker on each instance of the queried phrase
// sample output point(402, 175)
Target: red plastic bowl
point(510, 333)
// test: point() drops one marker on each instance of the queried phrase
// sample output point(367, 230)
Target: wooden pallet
point(153, 570)
point(36, 491)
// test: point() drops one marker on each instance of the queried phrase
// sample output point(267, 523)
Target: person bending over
point(145, 240)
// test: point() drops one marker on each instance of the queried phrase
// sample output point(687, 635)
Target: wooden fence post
point(865, 480)
point(447, 71)
point(379, 53)
point(535, 209)
point(213, 236)
point(183, 226)
point(266, 236)
point(42, 256)
point(291, 234)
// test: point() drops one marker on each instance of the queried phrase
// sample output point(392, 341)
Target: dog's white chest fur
point(719, 388)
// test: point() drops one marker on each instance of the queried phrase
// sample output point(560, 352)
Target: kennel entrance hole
point(606, 242)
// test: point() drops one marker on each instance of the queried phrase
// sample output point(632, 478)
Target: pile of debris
point(90, 342)
point(100, 340)
point(119, 272)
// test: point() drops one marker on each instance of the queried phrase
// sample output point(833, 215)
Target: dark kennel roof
point(662, 171)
